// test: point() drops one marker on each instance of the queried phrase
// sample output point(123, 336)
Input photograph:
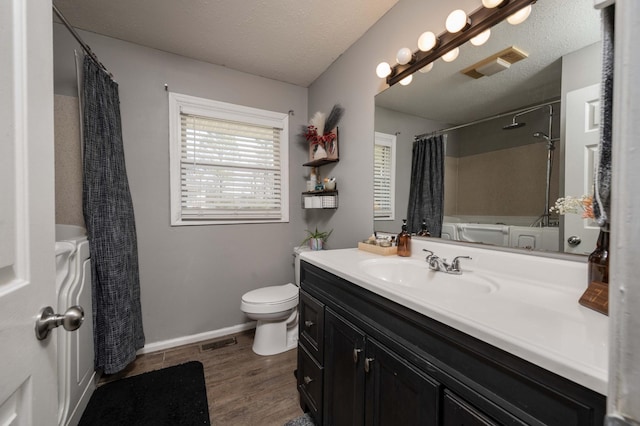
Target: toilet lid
point(272, 295)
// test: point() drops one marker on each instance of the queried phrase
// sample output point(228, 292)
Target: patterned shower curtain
point(108, 215)
point(426, 194)
point(602, 193)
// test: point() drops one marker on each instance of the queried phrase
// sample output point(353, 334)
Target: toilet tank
point(296, 261)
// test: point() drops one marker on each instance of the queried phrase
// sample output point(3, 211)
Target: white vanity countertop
point(532, 310)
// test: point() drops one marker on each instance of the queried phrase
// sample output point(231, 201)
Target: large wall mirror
point(509, 137)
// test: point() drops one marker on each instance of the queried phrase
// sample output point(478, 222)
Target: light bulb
point(490, 4)
point(383, 70)
point(520, 16)
point(427, 41)
point(426, 68)
point(456, 21)
point(407, 80)
point(451, 55)
point(404, 56)
point(481, 38)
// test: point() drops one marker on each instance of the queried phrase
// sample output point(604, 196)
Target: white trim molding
point(194, 338)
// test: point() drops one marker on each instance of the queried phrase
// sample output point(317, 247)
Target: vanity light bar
point(481, 19)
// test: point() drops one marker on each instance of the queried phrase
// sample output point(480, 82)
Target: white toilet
point(276, 310)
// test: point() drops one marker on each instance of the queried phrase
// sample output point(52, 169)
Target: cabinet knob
point(367, 364)
point(356, 353)
point(307, 380)
point(309, 323)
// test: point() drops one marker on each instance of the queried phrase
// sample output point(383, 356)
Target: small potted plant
point(316, 239)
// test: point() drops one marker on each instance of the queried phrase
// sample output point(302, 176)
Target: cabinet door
point(396, 392)
point(459, 413)
point(343, 372)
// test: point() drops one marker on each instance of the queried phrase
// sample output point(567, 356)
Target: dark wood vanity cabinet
point(365, 360)
point(368, 384)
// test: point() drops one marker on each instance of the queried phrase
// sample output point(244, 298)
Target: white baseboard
point(186, 340)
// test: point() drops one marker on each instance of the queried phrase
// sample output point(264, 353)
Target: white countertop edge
point(589, 376)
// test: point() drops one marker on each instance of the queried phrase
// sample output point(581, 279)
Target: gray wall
point(192, 278)
point(351, 81)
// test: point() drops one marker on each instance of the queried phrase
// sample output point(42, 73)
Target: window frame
point(389, 140)
point(230, 112)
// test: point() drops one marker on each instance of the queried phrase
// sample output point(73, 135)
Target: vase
point(319, 153)
point(316, 243)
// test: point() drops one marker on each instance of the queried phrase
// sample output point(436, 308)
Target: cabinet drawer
point(312, 325)
point(310, 383)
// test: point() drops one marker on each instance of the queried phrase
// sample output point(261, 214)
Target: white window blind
point(384, 177)
point(230, 171)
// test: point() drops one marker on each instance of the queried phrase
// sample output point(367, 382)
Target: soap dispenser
point(424, 232)
point(404, 241)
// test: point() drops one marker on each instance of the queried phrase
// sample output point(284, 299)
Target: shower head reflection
point(514, 125)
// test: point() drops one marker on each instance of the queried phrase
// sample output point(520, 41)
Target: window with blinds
point(384, 171)
point(228, 163)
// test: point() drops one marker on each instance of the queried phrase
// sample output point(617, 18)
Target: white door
point(581, 157)
point(28, 384)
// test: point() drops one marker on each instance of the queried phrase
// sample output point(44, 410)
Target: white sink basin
point(416, 274)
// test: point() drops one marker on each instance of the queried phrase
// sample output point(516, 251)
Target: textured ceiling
point(288, 40)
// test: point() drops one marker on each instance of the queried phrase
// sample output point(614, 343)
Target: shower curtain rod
point(482, 120)
point(84, 45)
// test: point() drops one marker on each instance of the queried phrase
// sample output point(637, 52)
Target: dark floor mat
point(171, 396)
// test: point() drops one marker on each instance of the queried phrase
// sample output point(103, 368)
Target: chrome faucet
point(438, 264)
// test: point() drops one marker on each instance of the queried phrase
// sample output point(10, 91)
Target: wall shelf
point(321, 162)
point(320, 200)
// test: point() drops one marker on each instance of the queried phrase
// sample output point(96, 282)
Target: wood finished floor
point(242, 388)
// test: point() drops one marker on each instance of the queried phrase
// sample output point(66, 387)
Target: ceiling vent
point(495, 63)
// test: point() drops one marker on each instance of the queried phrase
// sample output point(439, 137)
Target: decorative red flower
point(312, 136)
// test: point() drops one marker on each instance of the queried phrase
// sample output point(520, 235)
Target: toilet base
point(274, 337)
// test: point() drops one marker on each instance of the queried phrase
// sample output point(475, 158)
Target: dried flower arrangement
point(321, 133)
point(570, 204)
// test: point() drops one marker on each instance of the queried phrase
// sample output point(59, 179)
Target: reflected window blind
point(229, 170)
point(382, 180)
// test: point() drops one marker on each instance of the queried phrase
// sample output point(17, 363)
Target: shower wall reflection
point(499, 176)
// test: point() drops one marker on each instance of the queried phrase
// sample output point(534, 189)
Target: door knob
point(356, 353)
point(47, 320)
point(573, 240)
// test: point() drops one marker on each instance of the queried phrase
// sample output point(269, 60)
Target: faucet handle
point(455, 263)
point(432, 260)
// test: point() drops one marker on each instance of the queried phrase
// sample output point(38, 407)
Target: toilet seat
point(270, 299)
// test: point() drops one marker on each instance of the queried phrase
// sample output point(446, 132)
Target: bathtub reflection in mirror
point(505, 133)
